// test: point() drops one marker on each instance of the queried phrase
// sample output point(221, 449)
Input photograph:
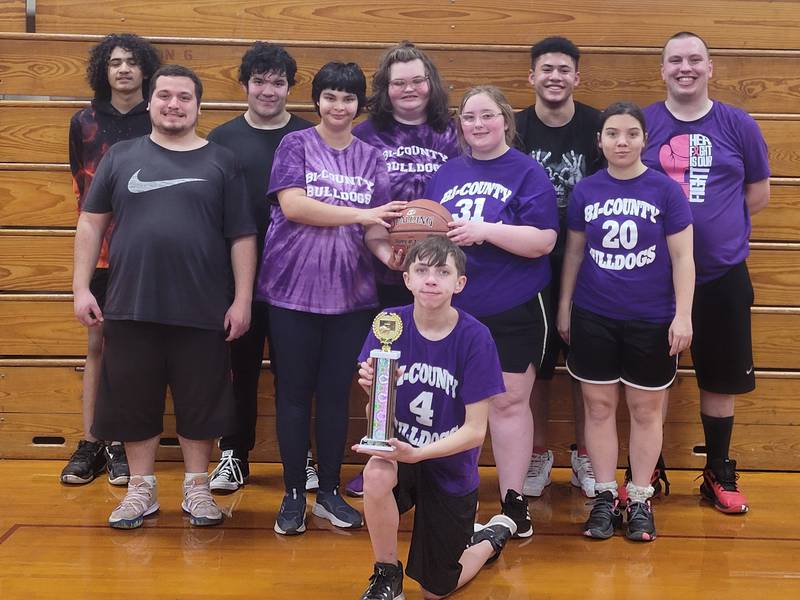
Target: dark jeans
point(318, 355)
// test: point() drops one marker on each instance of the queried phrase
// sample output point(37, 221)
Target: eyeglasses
point(470, 119)
point(401, 84)
point(117, 62)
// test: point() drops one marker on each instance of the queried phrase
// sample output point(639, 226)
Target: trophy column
point(387, 327)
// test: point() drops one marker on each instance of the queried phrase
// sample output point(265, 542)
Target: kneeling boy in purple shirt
point(448, 372)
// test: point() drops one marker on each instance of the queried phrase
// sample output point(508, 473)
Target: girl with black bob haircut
point(343, 77)
point(97, 70)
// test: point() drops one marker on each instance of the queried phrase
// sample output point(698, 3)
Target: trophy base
point(379, 445)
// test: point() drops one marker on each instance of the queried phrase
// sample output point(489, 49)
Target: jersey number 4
point(421, 407)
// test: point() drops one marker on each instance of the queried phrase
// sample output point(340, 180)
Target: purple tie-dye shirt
point(324, 270)
point(413, 153)
point(712, 158)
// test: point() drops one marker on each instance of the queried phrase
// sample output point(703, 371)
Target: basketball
point(420, 219)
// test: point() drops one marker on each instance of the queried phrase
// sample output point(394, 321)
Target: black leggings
point(318, 356)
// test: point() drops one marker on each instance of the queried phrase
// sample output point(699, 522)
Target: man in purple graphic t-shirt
point(718, 155)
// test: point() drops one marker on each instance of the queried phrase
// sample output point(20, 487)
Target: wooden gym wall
point(756, 47)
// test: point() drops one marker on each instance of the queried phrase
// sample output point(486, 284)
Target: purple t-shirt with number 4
point(712, 159)
point(323, 270)
point(626, 271)
point(513, 189)
point(439, 379)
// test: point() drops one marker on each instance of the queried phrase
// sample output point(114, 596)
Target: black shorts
point(521, 333)
point(99, 286)
point(555, 345)
point(141, 359)
point(722, 345)
point(443, 526)
point(607, 351)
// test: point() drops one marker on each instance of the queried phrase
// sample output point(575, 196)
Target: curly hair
point(97, 69)
point(265, 57)
point(557, 45)
point(380, 106)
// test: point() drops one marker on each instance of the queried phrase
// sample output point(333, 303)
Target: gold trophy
point(387, 327)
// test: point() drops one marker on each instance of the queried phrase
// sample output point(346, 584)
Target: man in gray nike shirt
point(181, 267)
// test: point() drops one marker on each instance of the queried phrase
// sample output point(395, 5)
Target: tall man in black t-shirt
point(267, 73)
point(181, 268)
point(561, 134)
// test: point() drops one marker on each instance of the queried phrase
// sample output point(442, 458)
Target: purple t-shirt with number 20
point(513, 189)
point(626, 271)
point(439, 379)
point(322, 270)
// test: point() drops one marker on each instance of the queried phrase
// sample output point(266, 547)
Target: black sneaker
point(658, 478)
point(604, 518)
point(497, 532)
point(291, 519)
point(117, 464)
point(86, 463)
point(331, 506)
point(230, 474)
point(515, 506)
point(386, 583)
point(641, 527)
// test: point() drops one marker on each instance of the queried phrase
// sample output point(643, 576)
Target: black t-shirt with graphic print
point(568, 153)
point(174, 212)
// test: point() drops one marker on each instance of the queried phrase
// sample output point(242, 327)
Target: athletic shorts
point(140, 359)
point(722, 345)
point(99, 286)
point(442, 528)
point(555, 345)
point(606, 351)
point(521, 333)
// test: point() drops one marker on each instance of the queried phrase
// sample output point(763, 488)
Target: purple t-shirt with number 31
point(439, 379)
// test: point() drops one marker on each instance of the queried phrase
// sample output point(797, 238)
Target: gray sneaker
point(199, 503)
point(139, 502)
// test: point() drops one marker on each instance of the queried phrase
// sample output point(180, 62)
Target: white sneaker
point(312, 478)
point(139, 502)
point(199, 503)
point(538, 476)
point(582, 473)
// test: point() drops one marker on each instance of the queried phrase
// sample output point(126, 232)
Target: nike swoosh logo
point(750, 370)
point(137, 186)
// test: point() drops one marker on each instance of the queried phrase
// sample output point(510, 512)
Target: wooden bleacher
point(756, 47)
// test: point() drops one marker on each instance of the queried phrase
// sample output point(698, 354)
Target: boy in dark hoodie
point(119, 72)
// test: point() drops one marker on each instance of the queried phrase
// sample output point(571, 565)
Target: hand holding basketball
point(466, 233)
point(382, 215)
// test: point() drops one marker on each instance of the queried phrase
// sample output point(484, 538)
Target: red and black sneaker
point(719, 486)
point(658, 478)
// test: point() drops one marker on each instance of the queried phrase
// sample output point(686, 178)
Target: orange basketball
point(420, 219)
